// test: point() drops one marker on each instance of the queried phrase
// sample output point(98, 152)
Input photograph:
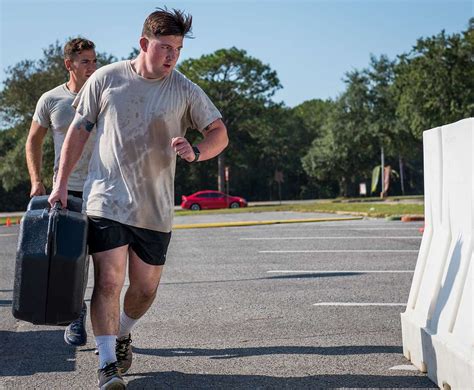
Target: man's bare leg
point(109, 277)
point(144, 280)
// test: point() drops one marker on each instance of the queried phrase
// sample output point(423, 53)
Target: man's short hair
point(76, 46)
point(164, 22)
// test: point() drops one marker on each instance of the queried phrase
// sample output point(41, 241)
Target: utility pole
point(279, 179)
point(400, 163)
point(227, 184)
point(382, 171)
point(220, 172)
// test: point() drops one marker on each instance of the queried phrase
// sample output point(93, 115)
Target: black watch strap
point(197, 153)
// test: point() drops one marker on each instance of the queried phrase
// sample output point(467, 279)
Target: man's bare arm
point(215, 141)
point(34, 157)
point(77, 136)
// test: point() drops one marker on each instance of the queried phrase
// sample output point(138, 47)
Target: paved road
point(250, 307)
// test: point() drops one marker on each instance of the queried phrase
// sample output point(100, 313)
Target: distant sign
point(226, 173)
point(362, 189)
point(279, 176)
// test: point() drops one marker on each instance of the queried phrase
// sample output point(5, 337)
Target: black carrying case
point(51, 263)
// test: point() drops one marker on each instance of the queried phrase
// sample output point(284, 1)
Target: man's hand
point(59, 194)
point(37, 188)
point(183, 148)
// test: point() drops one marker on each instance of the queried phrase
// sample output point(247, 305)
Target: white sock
point(106, 347)
point(126, 325)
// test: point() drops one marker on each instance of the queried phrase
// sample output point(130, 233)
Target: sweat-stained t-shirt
point(54, 111)
point(132, 168)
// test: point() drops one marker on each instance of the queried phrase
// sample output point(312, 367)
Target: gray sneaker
point(110, 378)
point(123, 351)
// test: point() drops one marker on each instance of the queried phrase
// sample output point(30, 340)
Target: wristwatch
point(197, 153)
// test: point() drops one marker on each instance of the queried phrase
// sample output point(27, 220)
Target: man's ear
point(67, 64)
point(144, 44)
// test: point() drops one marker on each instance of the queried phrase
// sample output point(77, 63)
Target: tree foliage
point(323, 148)
point(345, 150)
point(435, 82)
point(241, 87)
point(389, 105)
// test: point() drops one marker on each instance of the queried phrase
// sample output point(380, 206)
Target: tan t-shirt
point(131, 174)
point(54, 111)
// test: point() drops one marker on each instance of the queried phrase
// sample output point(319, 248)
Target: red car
point(211, 200)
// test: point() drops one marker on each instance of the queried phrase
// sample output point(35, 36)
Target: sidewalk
point(199, 220)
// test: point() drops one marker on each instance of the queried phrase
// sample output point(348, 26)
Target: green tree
point(383, 124)
point(435, 82)
point(278, 139)
point(347, 148)
point(382, 121)
point(313, 114)
point(241, 87)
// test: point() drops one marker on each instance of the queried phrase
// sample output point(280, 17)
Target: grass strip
point(376, 210)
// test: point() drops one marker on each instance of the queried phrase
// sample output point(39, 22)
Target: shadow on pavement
point(296, 276)
point(26, 353)
point(316, 275)
point(230, 353)
point(180, 380)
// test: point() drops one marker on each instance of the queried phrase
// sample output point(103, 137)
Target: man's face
point(82, 65)
point(163, 53)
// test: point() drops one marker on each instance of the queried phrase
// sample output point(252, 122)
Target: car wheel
point(234, 205)
point(195, 207)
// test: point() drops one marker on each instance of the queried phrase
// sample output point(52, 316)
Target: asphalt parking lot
point(295, 306)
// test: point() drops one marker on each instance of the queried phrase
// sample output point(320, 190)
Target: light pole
point(226, 176)
point(400, 162)
point(382, 171)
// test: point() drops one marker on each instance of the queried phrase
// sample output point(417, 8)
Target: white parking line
point(8, 234)
point(346, 251)
point(357, 304)
point(333, 238)
point(404, 367)
point(339, 271)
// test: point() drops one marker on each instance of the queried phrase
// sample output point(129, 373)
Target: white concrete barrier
point(437, 326)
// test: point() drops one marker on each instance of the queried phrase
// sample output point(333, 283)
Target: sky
point(311, 44)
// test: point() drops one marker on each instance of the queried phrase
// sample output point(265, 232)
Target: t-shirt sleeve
point(202, 111)
point(41, 114)
point(87, 101)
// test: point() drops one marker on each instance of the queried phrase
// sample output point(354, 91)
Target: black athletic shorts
point(104, 234)
point(77, 194)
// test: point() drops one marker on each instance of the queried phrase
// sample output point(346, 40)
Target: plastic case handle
point(52, 224)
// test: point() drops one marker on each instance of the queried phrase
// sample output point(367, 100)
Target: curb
point(413, 218)
point(256, 223)
point(393, 218)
